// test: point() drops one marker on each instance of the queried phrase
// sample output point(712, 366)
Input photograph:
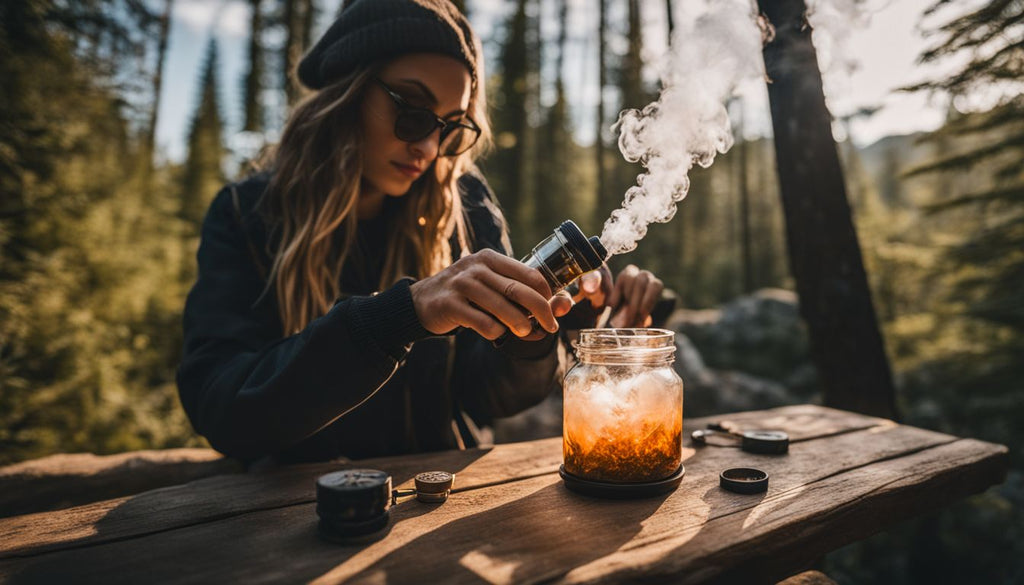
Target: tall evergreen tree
point(158, 76)
point(825, 257)
point(506, 168)
point(553, 190)
point(986, 263)
point(253, 82)
point(631, 95)
point(202, 175)
point(87, 301)
point(601, 208)
point(298, 17)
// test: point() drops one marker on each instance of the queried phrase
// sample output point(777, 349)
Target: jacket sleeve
point(250, 390)
point(495, 382)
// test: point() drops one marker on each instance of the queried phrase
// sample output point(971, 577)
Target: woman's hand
point(488, 292)
point(632, 296)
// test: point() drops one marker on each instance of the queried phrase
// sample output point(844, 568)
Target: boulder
point(761, 335)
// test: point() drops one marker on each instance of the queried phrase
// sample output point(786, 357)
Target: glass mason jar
point(623, 407)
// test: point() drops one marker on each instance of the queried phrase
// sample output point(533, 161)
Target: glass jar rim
point(631, 337)
point(625, 346)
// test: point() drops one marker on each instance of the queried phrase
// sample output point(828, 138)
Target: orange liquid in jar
point(625, 430)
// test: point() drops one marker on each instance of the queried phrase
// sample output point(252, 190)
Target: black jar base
point(621, 491)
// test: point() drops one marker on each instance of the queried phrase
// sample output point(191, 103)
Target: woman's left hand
point(632, 295)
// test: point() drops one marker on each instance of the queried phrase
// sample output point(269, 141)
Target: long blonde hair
point(316, 172)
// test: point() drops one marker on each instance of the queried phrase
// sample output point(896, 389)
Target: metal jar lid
point(744, 480)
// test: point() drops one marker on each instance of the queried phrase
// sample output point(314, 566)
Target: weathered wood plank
point(533, 529)
point(808, 578)
point(71, 479)
point(222, 497)
point(792, 528)
point(225, 496)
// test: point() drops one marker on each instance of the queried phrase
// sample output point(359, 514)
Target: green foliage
point(90, 296)
point(203, 174)
point(946, 255)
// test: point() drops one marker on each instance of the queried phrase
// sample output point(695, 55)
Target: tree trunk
point(254, 77)
point(602, 24)
point(158, 77)
point(553, 199)
point(824, 255)
point(746, 260)
point(670, 20)
point(298, 24)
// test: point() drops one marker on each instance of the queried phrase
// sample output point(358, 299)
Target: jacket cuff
point(389, 319)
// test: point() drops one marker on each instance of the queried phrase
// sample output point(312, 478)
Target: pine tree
point(506, 166)
point(253, 82)
point(149, 147)
point(601, 209)
point(89, 312)
point(985, 266)
point(298, 16)
point(203, 174)
point(553, 189)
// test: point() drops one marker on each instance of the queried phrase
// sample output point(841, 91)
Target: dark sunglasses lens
point(414, 125)
point(458, 141)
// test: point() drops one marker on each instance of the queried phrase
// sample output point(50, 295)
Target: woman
point(347, 296)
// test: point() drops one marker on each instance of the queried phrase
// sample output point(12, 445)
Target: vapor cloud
point(713, 48)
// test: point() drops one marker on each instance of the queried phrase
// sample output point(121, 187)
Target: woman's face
point(435, 82)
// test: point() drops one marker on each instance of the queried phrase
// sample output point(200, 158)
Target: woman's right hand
point(486, 292)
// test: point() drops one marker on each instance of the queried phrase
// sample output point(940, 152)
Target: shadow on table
point(707, 555)
point(533, 538)
point(247, 528)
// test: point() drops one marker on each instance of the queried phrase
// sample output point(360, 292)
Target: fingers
point(561, 303)
point(636, 293)
point(515, 270)
point(650, 299)
point(523, 296)
point(481, 322)
point(505, 288)
point(481, 294)
point(622, 285)
point(595, 286)
point(590, 283)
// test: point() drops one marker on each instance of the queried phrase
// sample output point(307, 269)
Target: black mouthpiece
point(591, 251)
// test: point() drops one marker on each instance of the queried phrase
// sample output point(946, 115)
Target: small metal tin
point(765, 442)
point(433, 487)
point(744, 480)
point(353, 503)
point(759, 442)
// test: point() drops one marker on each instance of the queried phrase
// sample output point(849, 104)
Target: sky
point(865, 54)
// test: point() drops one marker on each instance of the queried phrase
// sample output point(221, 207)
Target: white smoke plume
point(716, 45)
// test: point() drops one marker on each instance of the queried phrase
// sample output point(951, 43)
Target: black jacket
point(364, 380)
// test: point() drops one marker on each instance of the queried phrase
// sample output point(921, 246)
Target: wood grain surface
point(512, 521)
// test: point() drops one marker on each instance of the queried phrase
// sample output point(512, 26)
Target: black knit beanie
point(372, 30)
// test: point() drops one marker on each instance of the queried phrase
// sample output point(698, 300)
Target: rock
point(761, 335)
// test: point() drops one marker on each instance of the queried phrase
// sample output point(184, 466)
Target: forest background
point(99, 227)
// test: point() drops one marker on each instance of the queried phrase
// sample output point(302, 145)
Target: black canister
point(562, 257)
point(566, 255)
point(353, 504)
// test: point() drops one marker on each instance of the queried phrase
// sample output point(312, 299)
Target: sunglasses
point(413, 124)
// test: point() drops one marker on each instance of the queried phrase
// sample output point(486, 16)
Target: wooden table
point(510, 519)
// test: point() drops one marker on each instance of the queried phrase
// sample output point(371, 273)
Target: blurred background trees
point(98, 229)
